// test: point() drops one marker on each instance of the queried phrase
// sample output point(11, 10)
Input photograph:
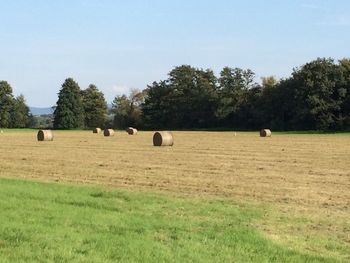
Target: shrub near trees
point(127, 110)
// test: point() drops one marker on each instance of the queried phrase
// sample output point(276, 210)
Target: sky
point(119, 45)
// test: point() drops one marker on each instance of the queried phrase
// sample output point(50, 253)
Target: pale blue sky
point(120, 45)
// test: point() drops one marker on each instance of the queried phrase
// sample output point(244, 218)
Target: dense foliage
point(315, 97)
point(69, 113)
point(127, 110)
point(189, 98)
point(95, 107)
point(14, 113)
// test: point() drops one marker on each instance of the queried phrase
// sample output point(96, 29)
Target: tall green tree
point(194, 96)
point(6, 104)
point(318, 94)
point(69, 113)
point(156, 109)
point(234, 84)
point(95, 107)
point(187, 99)
point(19, 113)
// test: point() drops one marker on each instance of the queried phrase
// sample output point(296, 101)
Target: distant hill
point(40, 111)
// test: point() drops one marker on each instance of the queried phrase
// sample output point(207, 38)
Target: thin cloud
point(313, 6)
point(120, 89)
point(339, 20)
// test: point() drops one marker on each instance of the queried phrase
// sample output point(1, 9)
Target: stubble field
point(300, 182)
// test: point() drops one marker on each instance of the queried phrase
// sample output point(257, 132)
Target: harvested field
point(302, 169)
point(303, 180)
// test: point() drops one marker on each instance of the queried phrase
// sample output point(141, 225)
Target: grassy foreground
point(48, 222)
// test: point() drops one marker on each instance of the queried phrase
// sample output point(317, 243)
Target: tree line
point(315, 97)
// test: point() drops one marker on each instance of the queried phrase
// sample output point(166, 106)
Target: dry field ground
point(302, 181)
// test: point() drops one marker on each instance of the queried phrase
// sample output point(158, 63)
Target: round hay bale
point(97, 130)
point(131, 131)
point(163, 138)
point(108, 132)
point(45, 135)
point(265, 133)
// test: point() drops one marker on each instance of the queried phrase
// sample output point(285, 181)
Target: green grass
point(49, 222)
